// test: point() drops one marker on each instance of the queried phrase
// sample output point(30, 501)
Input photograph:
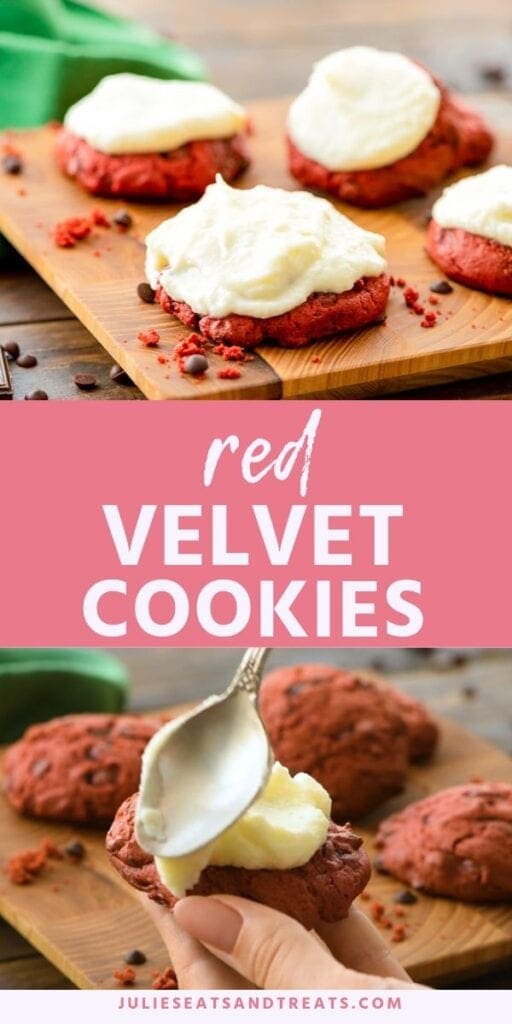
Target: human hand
point(225, 942)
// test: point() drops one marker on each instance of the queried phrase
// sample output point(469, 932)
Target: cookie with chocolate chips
point(77, 768)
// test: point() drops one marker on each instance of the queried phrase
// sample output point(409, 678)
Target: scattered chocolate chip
point(444, 658)
point(119, 376)
point(123, 219)
point(85, 381)
point(12, 164)
point(295, 689)
point(135, 956)
point(145, 292)
point(379, 866)
point(404, 897)
point(75, 849)
point(493, 73)
point(36, 396)
point(11, 349)
point(441, 288)
point(195, 364)
point(469, 692)
point(26, 361)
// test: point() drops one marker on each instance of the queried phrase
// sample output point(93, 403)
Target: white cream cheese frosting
point(259, 252)
point(282, 829)
point(363, 108)
point(481, 204)
point(129, 113)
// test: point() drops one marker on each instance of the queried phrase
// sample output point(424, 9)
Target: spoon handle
point(248, 674)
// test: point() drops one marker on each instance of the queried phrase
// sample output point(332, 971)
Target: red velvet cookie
point(471, 259)
point(343, 730)
point(320, 891)
point(180, 175)
point(322, 314)
point(455, 843)
point(77, 768)
point(458, 138)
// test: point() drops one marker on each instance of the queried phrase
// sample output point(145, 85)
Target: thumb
point(268, 948)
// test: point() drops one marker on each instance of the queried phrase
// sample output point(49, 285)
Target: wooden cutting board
point(97, 280)
point(84, 918)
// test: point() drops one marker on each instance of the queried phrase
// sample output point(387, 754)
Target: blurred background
point(258, 48)
point(474, 687)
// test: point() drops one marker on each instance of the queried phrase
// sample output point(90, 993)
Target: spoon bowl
point(202, 771)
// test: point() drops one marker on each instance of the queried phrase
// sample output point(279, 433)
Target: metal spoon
point(202, 771)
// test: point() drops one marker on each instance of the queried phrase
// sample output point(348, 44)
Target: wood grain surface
point(66, 910)
point(97, 280)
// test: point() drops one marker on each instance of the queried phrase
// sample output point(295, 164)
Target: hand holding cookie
point(226, 942)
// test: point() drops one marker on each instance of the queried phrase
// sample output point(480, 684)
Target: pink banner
point(230, 523)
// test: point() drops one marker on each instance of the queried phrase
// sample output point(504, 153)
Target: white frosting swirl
point(259, 252)
point(481, 204)
point(363, 108)
point(134, 114)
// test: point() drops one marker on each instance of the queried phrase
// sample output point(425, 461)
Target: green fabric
point(41, 683)
point(52, 52)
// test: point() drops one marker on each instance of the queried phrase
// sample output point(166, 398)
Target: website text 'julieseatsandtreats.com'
point(255, 645)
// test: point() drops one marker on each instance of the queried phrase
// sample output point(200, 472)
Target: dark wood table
point(472, 687)
point(261, 48)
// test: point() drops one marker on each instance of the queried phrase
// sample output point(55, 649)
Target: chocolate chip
point(36, 396)
point(405, 897)
point(469, 692)
point(39, 767)
point(12, 164)
point(295, 689)
point(441, 288)
point(26, 361)
point(119, 376)
point(135, 956)
point(195, 364)
point(75, 849)
point(145, 292)
point(11, 349)
point(493, 73)
point(123, 219)
point(85, 381)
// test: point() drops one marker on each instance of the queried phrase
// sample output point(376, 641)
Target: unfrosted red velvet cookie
point(458, 138)
point(322, 314)
point(78, 767)
point(320, 891)
point(180, 175)
point(455, 843)
point(343, 730)
point(470, 259)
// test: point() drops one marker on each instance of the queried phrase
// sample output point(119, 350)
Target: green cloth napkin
point(52, 52)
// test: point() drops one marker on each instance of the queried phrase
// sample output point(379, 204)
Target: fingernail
point(209, 921)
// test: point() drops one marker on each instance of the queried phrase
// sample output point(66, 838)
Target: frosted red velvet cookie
point(470, 234)
point(343, 730)
point(456, 843)
point(321, 890)
point(263, 264)
point(144, 138)
point(374, 128)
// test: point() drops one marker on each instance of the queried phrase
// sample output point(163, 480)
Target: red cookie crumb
point(149, 338)
point(165, 979)
point(398, 934)
point(231, 353)
point(230, 373)
point(126, 975)
point(99, 218)
point(67, 233)
point(24, 867)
